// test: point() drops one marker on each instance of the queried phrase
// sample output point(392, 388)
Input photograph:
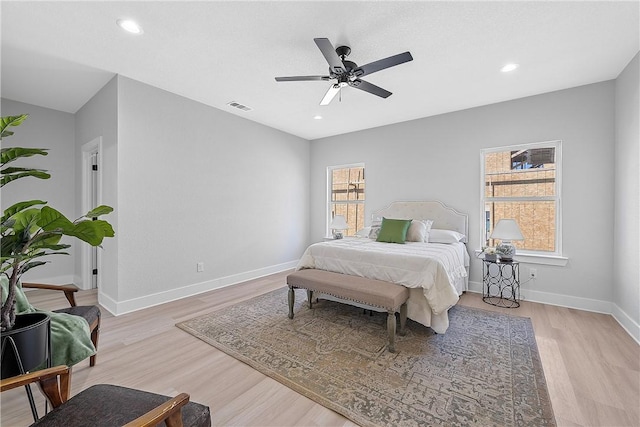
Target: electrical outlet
point(533, 273)
point(200, 267)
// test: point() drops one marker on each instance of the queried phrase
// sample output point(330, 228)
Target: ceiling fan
point(348, 73)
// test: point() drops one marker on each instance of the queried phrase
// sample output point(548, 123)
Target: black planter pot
point(27, 344)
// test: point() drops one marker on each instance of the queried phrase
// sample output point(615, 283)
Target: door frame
point(88, 150)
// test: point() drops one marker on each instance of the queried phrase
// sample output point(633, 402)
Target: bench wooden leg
point(391, 330)
point(310, 297)
point(292, 300)
point(403, 319)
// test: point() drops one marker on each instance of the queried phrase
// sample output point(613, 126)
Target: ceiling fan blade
point(371, 88)
point(331, 93)
point(330, 55)
point(381, 64)
point(302, 78)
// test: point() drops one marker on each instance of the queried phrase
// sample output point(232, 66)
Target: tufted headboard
point(443, 216)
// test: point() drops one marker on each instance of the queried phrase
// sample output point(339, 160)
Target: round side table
point(501, 283)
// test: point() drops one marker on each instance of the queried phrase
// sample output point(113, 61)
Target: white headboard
point(443, 216)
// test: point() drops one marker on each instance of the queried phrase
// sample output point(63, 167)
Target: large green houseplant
point(32, 230)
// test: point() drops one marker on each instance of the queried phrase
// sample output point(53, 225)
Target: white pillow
point(363, 232)
point(446, 236)
point(374, 231)
point(419, 230)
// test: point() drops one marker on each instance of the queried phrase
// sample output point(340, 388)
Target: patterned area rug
point(484, 371)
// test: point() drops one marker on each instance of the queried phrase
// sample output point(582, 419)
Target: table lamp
point(338, 225)
point(506, 230)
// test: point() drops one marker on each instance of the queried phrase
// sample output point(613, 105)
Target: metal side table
point(501, 283)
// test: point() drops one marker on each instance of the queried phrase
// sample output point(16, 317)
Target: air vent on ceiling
point(239, 106)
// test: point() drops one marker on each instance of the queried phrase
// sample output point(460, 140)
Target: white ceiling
point(59, 54)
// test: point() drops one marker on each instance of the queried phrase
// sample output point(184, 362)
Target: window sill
point(331, 238)
point(556, 260)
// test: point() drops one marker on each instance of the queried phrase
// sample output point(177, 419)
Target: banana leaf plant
point(32, 230)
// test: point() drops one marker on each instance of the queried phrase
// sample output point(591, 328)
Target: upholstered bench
point(376, 293)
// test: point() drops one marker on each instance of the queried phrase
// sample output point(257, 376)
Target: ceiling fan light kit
point(348, 73)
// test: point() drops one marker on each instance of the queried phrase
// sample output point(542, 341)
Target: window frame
point(329, 186)
point(536, 257)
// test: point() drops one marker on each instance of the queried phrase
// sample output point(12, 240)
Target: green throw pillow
point(393, 230)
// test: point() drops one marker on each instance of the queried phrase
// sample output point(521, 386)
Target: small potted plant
point(490, 253)
point(31, 230)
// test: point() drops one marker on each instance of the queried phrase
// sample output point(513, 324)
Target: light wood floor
point(591, 365)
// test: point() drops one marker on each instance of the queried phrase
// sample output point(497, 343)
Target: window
point(346, 196)
point(523, 182)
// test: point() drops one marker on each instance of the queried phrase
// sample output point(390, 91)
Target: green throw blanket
point(70, 335)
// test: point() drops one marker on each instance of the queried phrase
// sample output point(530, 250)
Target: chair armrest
point(56, 393)
point(170, 412)
point(67, 289)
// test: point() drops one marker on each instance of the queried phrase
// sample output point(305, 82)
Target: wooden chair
point(91, 313)
point(105, 405)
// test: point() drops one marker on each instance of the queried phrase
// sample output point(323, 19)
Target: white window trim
point(327, 215)
point(533, 257)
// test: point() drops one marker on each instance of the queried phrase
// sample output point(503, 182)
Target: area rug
point(484, 371)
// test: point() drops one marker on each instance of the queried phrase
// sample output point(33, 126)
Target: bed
point(435, 272)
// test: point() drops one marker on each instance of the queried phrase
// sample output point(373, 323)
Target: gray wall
point(439, 158)
point(189, 183)
point(197, 184)
point(626, 234)
point(45, 128)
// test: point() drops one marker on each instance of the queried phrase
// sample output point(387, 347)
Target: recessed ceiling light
point(130, 26)
point(317, 117)
point(509, 67)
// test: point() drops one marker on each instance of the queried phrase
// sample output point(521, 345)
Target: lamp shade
point(339, 223)
point(507, 229)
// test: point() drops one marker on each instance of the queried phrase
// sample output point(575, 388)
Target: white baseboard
point(475, 287)
point(121, 307)
point(587, 304)
point(57, 280)
point(77, 280)
point(568, 301)
point(107, 302)
point(627, 323)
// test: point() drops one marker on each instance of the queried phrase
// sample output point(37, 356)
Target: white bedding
point(429, 269)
